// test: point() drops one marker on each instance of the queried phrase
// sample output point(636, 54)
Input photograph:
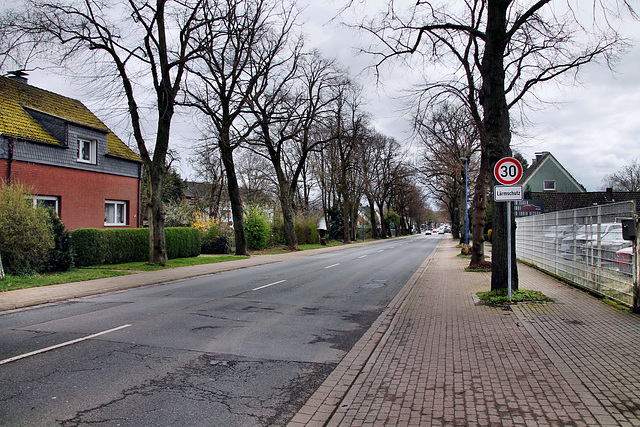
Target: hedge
point(94, 246)
point(89, 246)
point(182, 242)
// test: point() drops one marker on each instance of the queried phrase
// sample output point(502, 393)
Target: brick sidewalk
point(435, 357)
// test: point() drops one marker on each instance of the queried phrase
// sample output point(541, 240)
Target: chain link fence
point(584, 246)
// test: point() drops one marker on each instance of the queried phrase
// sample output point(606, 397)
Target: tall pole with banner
point(508, 171)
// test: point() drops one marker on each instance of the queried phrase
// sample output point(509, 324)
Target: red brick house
point(67, 157)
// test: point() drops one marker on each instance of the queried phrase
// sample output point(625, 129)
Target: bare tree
point(241, 43)
point(626, 179)
point(143, 48)
point(381, 163)
point(500, 50)
point(349, 128)
point(448, 135)
point(287, 106)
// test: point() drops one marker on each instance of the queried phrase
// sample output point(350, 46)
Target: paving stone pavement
point(436, 357)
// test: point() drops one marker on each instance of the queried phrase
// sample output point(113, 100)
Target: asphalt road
point(240, 348)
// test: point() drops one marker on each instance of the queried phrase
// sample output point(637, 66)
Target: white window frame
point(115, 203)
point(93, 144)
point(54, 199)
point(544, 185)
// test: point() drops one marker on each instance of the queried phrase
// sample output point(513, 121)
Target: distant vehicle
point(624, 258)
point(441, 231)
point(427, 233)
point(447, 230)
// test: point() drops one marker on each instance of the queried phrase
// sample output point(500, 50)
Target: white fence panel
point(584, 246)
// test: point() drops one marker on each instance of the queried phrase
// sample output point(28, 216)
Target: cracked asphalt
point(245, 347)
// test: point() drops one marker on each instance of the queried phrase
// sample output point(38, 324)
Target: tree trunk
point(285, 196)
point(226, 153)
point(479, 210)
point(374, 226)
point(383, 223)
point(346, 216)
point(157, 242)
point(498, 133)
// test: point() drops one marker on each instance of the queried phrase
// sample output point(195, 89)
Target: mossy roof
point(16, 121)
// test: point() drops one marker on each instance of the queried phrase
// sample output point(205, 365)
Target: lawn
point(101, 271)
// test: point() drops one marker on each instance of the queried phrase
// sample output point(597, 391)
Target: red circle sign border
point(505, 160)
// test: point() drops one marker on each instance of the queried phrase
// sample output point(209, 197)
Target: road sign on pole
point(507, 171)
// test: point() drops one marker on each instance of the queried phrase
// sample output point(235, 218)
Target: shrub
point(89, 246)
point(306, 231)
point(61, 256)
point(256, 228)
point(178, 214)
point(26, 238)
point(278, 237)
point(182, 242)
point(126, 245)
point(215, 242)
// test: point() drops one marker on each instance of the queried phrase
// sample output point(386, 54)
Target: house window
point(549, 185)
point(115, 212)
point(87, 150)
point(47, 202)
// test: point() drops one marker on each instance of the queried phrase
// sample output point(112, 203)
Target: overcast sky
point(593, 130)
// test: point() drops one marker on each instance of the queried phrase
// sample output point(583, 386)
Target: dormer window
point(87, 150)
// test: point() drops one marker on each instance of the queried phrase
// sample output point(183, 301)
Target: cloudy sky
point(593, 129)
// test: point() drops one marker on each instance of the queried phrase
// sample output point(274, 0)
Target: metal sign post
point(509, 250)
point(508, 171)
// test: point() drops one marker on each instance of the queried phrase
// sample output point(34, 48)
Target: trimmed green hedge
point(95, 246)
point(88, 245)
point(182, 242)
point(126, 245)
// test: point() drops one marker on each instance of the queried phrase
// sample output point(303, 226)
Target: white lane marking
point(381, 250)
point(64, 344)
point(330, 266)
point(363, 256)
point(266, 286)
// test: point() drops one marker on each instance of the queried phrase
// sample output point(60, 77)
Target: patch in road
point(214, 390)
point(344, 340)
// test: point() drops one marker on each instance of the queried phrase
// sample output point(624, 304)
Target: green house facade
point(547, 175)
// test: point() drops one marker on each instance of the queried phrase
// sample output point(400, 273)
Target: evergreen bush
point(89, 246)
point(182, 242)
point(215, 242)
point(126, 245)
point(61, 256)
point(256, 227)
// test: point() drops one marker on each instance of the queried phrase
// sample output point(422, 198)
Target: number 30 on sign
point(508, 171)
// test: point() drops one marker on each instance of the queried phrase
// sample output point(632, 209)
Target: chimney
point(18, 76)
point(609, 194)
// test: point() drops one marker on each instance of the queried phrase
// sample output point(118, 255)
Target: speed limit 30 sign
point(508, 171)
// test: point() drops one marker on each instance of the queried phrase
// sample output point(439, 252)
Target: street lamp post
point(466, 200)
